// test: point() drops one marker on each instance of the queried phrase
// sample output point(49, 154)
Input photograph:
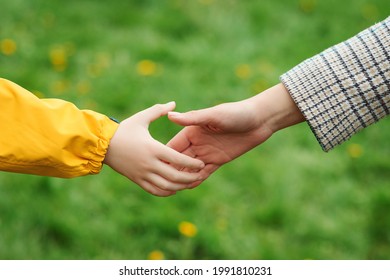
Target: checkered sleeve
point(346, 87)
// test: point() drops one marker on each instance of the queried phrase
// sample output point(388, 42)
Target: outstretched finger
point(196, 117)
point(152, 189)
point(178, 176)
point(172, 156)
point(166, 185)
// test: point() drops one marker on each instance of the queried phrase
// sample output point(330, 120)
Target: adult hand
point(220, 134)
point(135, 154)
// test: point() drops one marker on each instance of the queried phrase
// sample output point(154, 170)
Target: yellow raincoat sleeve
point(50, 137)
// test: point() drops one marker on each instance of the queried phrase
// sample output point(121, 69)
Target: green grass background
point(284, 200)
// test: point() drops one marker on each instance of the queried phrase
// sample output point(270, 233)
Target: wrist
point(276, 109)
point(111, 148)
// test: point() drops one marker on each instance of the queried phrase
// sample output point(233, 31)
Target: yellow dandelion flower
point(156, 255)
point(146, 68)
point(355, 150)
point(188, 229)
point(243, 71)
point(59, 58)
point(307, 6)
point(8, 46)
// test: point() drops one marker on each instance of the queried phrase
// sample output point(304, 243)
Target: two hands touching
point(211, 138)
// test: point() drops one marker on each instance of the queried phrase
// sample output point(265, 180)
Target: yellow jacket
point(50, 137)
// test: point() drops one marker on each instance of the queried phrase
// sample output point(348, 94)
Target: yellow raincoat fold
point(50, 137)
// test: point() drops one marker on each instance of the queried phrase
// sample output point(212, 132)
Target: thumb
point(158, 110)
point(196, 117)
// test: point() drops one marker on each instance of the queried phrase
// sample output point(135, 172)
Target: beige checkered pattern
point(345, 88)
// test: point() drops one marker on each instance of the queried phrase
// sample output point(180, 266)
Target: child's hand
point(135, 154)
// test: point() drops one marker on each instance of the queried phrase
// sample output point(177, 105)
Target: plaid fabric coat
point(346, 87)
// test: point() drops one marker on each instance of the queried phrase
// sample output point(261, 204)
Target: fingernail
point(171, 103)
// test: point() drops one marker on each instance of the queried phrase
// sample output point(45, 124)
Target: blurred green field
point(284, 200)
